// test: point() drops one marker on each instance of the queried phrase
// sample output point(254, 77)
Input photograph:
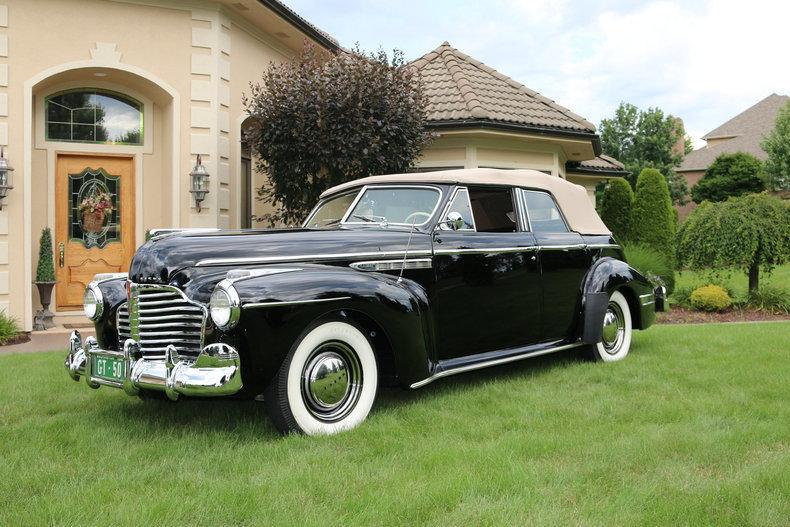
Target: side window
point(461, 205)
point(544, 216)
point(493, 209)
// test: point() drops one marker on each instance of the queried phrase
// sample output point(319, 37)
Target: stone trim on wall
point(210, 113)
point(4, 49)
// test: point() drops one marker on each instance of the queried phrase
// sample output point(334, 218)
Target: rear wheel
point(326, 384)
point(617, 330)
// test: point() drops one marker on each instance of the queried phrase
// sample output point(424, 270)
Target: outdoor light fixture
point(199, 177)
point(5, 177)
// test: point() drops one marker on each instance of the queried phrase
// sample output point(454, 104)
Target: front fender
point(113, 292)
point(606, 276)
point(277, 308)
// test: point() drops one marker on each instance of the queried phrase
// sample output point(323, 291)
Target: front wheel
point(326, 384)
point(617, 330)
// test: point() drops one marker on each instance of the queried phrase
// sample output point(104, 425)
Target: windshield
point(378, 205)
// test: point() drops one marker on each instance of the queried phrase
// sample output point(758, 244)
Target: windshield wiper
point(370, 218)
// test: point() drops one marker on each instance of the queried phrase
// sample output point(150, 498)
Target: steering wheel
point(411, 219)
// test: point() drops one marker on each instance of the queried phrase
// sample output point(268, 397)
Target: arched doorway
point(101, 165)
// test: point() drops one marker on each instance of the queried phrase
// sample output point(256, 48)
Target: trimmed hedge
point(710, 298)
point(652, 219)
point(616, 204)
point(45, 272)
point(728, 176)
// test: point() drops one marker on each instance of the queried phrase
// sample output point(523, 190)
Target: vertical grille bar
point(157, 316)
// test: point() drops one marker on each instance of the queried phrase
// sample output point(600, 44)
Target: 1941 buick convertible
point(397, 279)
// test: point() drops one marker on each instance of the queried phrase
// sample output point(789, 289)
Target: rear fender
point(606, 276)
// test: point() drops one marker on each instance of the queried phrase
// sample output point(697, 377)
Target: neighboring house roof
point(742, 133)
point(572, 198)
point(293, 18)
point(602, 165)
point(464, 91)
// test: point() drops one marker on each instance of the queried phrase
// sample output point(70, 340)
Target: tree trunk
point(754, 277)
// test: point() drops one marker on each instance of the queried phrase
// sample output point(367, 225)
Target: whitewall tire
point(617, 331)
point(326, 384)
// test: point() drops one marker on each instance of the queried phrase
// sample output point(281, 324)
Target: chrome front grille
point(157, 316)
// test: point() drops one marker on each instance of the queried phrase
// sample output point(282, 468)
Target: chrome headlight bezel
point(225, 306)
point(97, 305)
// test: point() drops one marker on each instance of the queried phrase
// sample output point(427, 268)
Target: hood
point(175, 259)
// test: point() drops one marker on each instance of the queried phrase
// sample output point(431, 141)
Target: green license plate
point(108, 368)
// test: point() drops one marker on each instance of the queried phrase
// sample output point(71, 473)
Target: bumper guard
point(215, 372)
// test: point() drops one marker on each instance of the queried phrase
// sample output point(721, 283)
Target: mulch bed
point(19, 339)
point(679, 315)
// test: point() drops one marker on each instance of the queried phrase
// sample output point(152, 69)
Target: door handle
point(61, 254)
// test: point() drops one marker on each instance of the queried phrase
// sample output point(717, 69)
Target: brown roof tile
point(459, 87)
point(602, 164)
point(745, 132)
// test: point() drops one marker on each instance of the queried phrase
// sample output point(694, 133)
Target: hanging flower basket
point(95, 210)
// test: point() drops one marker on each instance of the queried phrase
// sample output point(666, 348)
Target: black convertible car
point(401, 279)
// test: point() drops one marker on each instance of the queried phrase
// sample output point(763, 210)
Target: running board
point(487, 360)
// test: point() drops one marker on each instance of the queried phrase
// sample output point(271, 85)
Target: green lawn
point(736, 280)
point(692, 429)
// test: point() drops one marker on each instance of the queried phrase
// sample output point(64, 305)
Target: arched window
point(89, 115)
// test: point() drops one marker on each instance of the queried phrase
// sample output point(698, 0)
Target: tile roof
point(602, 164)
point(742, 133)
point(460, 88)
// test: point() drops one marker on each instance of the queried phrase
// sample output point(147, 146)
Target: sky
point(702, 61)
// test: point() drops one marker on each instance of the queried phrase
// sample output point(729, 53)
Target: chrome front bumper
point(215, 372)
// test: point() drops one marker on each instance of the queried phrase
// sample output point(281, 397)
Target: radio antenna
point(406, 254)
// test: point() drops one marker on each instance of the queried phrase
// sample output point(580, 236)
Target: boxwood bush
point(710, 298)
point(8, 328)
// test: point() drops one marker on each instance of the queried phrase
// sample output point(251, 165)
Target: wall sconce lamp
point(199, 176)
point(5, 177)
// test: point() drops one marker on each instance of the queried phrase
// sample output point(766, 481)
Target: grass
point(692, 429)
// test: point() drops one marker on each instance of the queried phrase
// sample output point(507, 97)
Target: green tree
point(647, 139)
point(45, 271)
point(652, 220)
point(616, 204)
point(777, 145)
point(730, 175)
point(750, 233)
point(320, 121)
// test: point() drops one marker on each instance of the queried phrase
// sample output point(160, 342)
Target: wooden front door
point(94, 221)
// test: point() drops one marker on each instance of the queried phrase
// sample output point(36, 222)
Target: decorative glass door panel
point(94, 200)
point(94, 207)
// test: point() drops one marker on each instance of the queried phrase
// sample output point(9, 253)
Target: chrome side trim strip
point(493, 362)
point(603, 246)
point(485, 250)
point(392, 265)
point(255, 305)
point(389, 254)
point(305, 257)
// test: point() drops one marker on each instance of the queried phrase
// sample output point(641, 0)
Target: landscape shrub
point(749, 233)
point(774, 299)
point(616, 204)
point(8, 328)
point(652, 264)
point(728, 176)
point(710, 298)
point(652, 220)
point(45, 271)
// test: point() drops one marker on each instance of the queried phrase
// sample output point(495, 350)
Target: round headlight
point(93, 303)
point(224, 307)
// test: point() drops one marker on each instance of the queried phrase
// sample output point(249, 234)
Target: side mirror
point(455, 221)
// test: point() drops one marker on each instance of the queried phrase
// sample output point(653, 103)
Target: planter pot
point(43, 318)
point(93, 221)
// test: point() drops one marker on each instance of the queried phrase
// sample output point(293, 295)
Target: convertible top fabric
point(572, 199)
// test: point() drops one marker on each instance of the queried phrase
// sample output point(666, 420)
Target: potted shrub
point(45, 281)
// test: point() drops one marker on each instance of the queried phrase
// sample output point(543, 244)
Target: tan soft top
point(573, 199)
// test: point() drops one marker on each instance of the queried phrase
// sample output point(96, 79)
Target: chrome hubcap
point(613, 328)
point(331, 381)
